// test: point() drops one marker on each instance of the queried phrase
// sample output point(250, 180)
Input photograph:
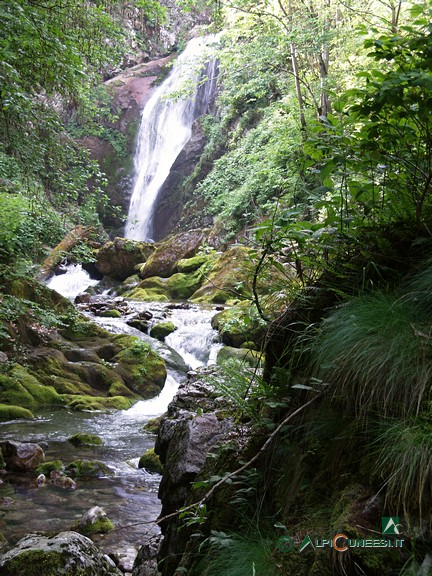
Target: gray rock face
point(66, 554)
point(185, 439)
point(119, 257)
point(146, 561)
point(21, 456)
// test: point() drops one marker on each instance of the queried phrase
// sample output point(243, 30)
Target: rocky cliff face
point(195, 426)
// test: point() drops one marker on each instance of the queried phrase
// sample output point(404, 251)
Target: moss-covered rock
point(83, 439)
point(146, 295)
point(83, 403)
point(120, 257)
point(65, 554)
point(88, 469)
point(8, 412)
point(142, 369)
point(47, 467)
point(110, 314)
point(151, 462)
point(19, 388)
point(239, 324)
point(153, 424)
point(161, 330)
point(250, 357)
point(94, 521)
point(229, 278)
point(163, 261)
point(187, 265)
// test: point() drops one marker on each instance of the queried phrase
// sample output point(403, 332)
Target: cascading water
point(166, 127)
point(73, 282)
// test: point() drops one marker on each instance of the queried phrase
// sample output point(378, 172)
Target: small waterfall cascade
point(73, 282)
point(166, 126)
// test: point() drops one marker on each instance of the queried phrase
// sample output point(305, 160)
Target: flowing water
point(166, 126)
point(129, 496)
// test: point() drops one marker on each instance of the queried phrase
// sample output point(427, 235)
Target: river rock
point(119, 257)
point(66, 554)
point(146, 560)
point(21, 456)
point(94, 521)
point(163, 261)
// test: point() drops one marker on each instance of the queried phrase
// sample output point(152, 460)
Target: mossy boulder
point(88, 469)
point(110, 313)
point(163, 261)
point(179, 286)
point(8, 412)
point(187, 265)
point(229, 278)
point(153, 424)
point(47, 467)
point(250, 357)
point(161, 330)
point(120, 257)
point(20, 389)
point(94, 521)
point(83, 403)
point(83, 439)
point(142, 369)
point(151, 462)
point(238, 324)
point(65, 554)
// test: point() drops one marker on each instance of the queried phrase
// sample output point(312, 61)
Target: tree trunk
point(69, 241)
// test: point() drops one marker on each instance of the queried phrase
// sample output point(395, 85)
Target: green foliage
point(239, 555)
point(403, 461)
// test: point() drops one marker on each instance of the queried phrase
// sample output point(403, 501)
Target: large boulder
point(119, 257)
point(21, 456)
point(66, 554)
point(163, 261)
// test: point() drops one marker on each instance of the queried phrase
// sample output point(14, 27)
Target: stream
point(129, 495)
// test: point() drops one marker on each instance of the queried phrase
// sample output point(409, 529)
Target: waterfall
point(166, 126)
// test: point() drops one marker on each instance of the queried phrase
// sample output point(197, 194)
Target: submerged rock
point(83, 439)
point(66, 554)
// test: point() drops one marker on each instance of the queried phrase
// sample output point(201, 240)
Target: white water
point(72, 283)
point(166, 126)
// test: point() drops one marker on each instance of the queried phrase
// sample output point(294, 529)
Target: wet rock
point(21, 456)
point(146, 561)
point(119, 257)
point(151, 462)
point(66, 554)
point(94, 521)
point(60, 479)
point(83, 298)
point(83, 439)
point(163, 261)
point(88, 468)
point(41, 480)
point(161, 330)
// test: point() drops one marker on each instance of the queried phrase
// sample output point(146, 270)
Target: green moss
point(101, 526)
point(150, 461)
point(153, 425)
point(191, 264)
point(88, 469)
point(111, 314)
point(82, 403)
point(14, 413)
point(161, 330)
point(239, 324)
point(181, 286)
point(146, 295)
point(48, 467)
point(19, 388)
point(83, 439)
point(34, 563)
point(250, 357)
